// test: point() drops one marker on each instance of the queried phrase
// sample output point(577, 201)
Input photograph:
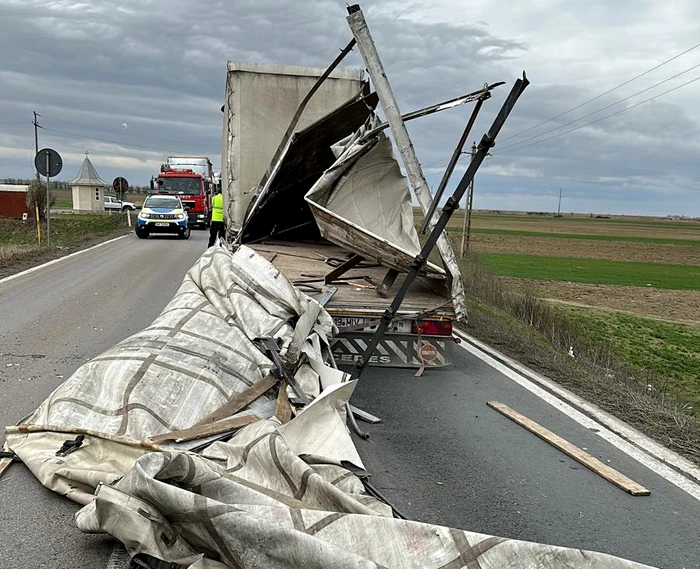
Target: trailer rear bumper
point(395, 350)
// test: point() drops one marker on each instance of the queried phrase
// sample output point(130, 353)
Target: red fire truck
point(191, 178)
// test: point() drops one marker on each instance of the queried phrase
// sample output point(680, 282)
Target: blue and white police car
point(162, 214)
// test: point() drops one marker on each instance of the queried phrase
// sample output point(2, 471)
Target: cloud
point(160, 67)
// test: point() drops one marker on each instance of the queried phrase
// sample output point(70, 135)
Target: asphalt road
point(52, 321)
point(441, 455)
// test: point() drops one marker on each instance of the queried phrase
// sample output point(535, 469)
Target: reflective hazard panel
point(395, 350)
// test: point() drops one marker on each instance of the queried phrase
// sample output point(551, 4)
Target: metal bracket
point(344, 268)
point(145, 561)
point(325, 297)
point(384, 287)
point(365, 416)
point(270, 348)
point(70, 446)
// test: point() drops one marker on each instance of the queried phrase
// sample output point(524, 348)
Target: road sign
point(120, 185)
point(48, 162)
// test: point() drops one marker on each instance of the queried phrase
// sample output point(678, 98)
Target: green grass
point(64, 198)
point(660, 240)
point(593, 271)
point(18, 240)
point(670, 352)
point(612, 220)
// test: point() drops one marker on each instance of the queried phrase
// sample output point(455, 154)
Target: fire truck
point(191, 178)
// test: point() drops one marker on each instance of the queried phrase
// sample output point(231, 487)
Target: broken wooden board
point(283, 410)
point(241, 400)
point(590, 462)
point(199, 431)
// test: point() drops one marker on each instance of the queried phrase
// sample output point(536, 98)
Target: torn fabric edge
point(362, 203)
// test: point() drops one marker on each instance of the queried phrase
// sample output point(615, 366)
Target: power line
point(546, 132)
point(82, 125)
point(124, 153)
point(603, 94)
point(602, 118)
point(137, 146)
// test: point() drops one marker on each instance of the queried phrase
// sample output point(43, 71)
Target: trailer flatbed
point(420, 336)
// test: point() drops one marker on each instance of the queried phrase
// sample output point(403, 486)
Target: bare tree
point(36, 194)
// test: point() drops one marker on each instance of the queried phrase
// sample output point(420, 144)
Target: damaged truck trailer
point(216, 437)
point(330, 214)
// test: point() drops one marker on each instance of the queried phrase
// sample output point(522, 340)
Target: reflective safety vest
point(217, 208)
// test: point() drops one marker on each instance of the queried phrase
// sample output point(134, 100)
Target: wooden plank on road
point(601, 469)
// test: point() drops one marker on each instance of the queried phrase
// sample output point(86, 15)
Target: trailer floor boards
point(304, 262)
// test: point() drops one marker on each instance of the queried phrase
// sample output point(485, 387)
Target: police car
point(162, 214)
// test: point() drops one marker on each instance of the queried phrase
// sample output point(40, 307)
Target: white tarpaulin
point(362, 203)
point(375, 196)
point(277, 494)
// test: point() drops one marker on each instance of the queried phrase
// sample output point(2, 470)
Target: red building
point(12, 201)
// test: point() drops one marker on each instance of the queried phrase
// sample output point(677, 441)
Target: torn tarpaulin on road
point(273, 496)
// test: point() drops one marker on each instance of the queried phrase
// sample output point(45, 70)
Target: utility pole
point(559, 206)
point(466, 228)
point(36, 138)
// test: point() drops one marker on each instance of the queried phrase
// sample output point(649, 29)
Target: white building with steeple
point(88, 189)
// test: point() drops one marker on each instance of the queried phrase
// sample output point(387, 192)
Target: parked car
point(162, 214)
point(113, 204)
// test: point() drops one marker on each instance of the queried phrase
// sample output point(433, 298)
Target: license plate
point(162, 224)
point(396, 325)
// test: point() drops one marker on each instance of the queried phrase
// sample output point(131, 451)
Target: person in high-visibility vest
point(218, 227)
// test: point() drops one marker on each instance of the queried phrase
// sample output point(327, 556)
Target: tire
point(185, 233)
point(142, 234)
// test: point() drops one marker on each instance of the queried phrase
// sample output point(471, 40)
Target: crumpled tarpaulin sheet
point(273, 496)
point(362, 203)
point(191, 360)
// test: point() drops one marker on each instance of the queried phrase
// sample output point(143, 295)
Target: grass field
point(18, 240)
point(594, 271)
point(621, 238)
point(670, 352)
point(625, 291)
point(622, 228)
point(64, 198)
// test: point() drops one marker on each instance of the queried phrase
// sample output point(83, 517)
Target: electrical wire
point(603, 94)
point(601, 109)
point(601, 118)
point(122, 144)
point(82, 125)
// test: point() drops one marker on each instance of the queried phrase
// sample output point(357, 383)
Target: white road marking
point(660, 460)
point(38, 267)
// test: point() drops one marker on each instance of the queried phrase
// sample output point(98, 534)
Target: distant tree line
point(59, 185)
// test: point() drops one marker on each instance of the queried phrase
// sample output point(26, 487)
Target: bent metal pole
point(414, 172)
point(487, 142)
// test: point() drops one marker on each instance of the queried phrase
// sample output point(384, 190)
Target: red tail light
point(432, 327)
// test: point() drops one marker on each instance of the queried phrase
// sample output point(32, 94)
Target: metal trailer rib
point(487, 142)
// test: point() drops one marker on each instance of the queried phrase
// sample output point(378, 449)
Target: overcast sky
point(132, 81)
